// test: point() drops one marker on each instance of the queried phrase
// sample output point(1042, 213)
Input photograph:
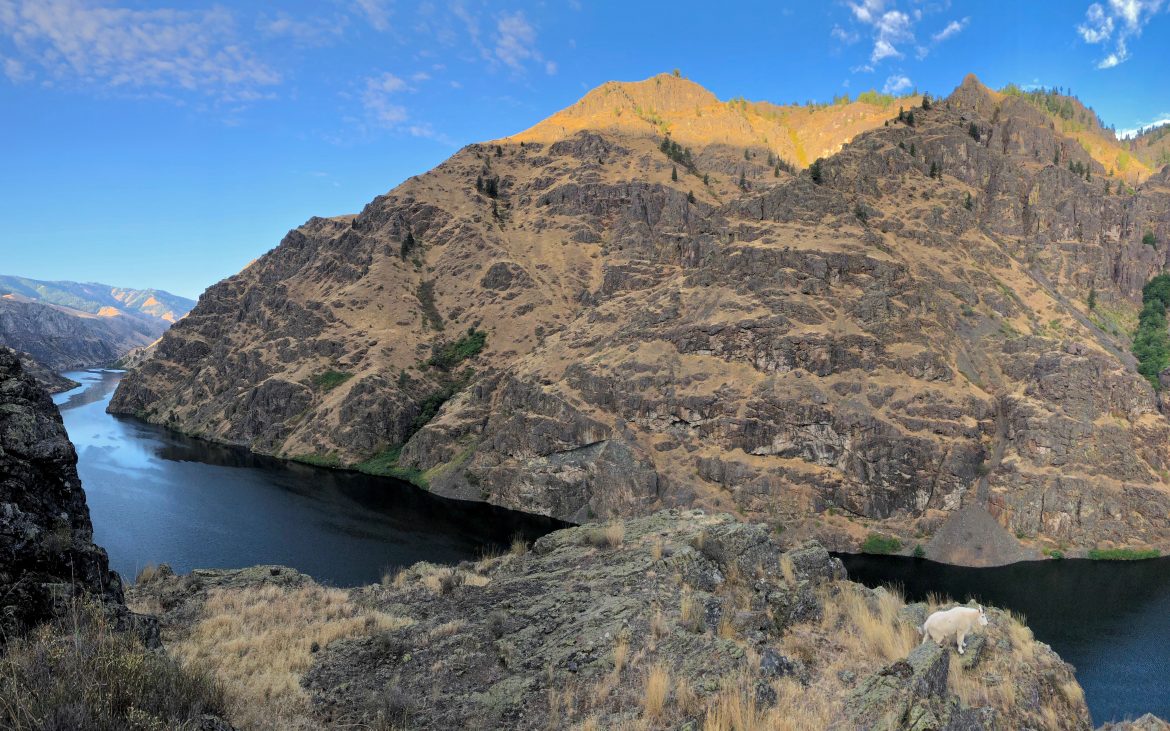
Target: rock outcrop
point(676, 620)
point(673, 318)
point(47, 554)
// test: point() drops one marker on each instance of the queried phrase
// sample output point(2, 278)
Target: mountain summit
point(889, 316)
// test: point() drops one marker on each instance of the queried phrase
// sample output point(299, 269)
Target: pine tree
point(690, 196)
point(742, 180)
point(926, 101)
point(479, 183)
point(776, 172)
point(499, 151)
point(706, 179)
point(407, 244)
point(934, 171)
point(913, 150)
point(968, 204)
point(815, 171)
point(674, 173)
point(1092, 298)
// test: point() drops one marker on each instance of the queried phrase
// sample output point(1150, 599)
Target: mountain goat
point(958, 622)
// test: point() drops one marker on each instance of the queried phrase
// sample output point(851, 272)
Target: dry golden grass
point(658, 626)
point(147, 574)
point(259, 642)
point(874, 621)
point(610, 535)
point(656, 692)
point(447, 629)
point(621, 652)
point(656, 549)
point(726, 629)
point(787, 570)
point(519, 546)
point(691, 614)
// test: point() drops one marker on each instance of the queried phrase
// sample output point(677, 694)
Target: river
point(158, 496)
point(1110, 619)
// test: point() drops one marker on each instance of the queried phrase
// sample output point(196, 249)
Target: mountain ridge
point(634, 326)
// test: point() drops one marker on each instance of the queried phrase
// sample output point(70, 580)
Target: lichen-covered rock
point(47, 554)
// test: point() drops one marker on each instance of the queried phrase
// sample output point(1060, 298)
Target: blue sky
point(168, 143)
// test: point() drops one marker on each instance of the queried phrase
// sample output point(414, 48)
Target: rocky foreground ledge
point(677, 620)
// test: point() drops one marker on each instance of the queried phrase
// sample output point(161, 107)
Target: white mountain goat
point(958, 622)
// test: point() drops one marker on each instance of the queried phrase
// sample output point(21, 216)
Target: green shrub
point(919, 551)
point(1150, 239)
point(1151, 342)
point(1123, 554)
point(330, 379)
point(426, 298)
point(79, 673)
point(448, 355)
point(1054, 553)
point(816, 171)
point(385, 464)
point(318, 460)
point(878, 543)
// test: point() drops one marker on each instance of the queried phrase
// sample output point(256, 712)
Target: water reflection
point(159, 496)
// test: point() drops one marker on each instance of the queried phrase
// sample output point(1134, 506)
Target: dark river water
point(157, 496)
point(1110, 619)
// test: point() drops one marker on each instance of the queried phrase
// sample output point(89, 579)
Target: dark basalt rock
point(47, 554)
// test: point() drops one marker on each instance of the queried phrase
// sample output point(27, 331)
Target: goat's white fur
point(957, 622)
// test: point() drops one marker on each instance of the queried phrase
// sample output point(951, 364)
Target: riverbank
point(658, 622)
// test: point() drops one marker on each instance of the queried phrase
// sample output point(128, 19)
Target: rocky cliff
point(47, 555)
point(641, 302)
point(59, 338)
point(677, 620)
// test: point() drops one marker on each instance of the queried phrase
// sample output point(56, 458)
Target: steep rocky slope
point(60, 338)
point(591, 318)
point(95, 298)
point(1153, 145)
point(677, 620)
point(47, 555)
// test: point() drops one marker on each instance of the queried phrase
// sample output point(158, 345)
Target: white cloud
point(307, 32)
point(16, 72)
point(1116, 23)
point(420, 76)
point(848, 37)
point(376, 12)
point(377, 98)
point(954, 28)
point(893, 30)
point(1128, 133)
point(161, 49)
point(897, 84)
point(515, 40)
point(550, 68)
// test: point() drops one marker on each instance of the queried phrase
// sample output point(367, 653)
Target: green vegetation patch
point(318, 460)
point(1123, 554)
point(1151, 343)
point(330, 379)
point(386, 464)
point(878, 543)
point(448, 355)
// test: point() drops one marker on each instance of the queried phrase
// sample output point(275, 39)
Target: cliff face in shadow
point(47, 554)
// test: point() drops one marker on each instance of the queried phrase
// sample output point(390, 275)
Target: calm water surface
point(1110, 619)
point(157, 496)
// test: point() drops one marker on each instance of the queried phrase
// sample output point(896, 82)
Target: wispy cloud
point(376, 12)
point(1134, 131)
point(954, 28)
point(1113, 24)
point(158, 50)
point(892, 30)
point(516, 43)
point(897, 84)
point(310, 32)
point(378, 99)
